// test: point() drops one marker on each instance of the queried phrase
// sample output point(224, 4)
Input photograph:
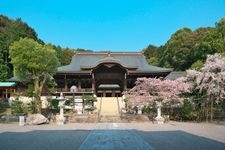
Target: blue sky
point(116, 25)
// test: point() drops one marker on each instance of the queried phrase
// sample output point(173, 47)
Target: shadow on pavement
point(73, 139)
point(179, 140)
point(43, 140)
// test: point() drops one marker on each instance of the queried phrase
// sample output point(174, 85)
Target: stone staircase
point(109, 109)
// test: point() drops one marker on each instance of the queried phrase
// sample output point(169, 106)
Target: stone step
point(109, 106)
point(110, 119)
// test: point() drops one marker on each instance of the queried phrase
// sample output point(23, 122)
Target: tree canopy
point(188, 48)
point(148, 90)
point(10, 31)
point(34, 62)
point(209, 81)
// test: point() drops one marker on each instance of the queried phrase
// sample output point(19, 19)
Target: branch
point(43, 82)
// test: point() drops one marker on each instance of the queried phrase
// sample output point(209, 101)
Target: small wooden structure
point(6, 89)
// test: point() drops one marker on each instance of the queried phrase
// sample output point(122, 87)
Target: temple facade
point(104, 74)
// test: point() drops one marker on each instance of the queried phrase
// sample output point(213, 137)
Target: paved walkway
point(114, 139)
point(173, 135)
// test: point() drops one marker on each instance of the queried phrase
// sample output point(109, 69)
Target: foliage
point(148, 110)
point(54, 103)
point(33, 62)
point(17, 107)
point(31, 107)
point(148, 90)
point(50, 85)
point(64, 55)
point(210, 80)
point(69, 102)
point(30, 90)
point(89, 99)
point(10, 31)
point(187, 109)
point(3, 106)
point(197, 65)
point(3, 69)
point(188, 48)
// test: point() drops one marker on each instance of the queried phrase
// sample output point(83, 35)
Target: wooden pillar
point(104, 93)
point(2, 92)
point(125, 83)
point(79, 85)
point(93, 83)
point(113, 93)
point(10, 92)
point(66, 86)
point(6, 93)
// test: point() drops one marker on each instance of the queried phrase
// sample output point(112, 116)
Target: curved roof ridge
point(108, 53)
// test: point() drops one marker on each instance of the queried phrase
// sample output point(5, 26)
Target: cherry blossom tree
point(150, 90)
point(210, 80)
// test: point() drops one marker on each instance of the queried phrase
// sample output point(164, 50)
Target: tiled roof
point(7, 84)
point(176, 74)
point(137, 61)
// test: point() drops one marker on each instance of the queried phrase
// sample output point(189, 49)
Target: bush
point(3, 106)
point(69, 102)
point(18, 107)
point(186, 111)
point(148, 110)
point(88, 99)
point(31, 107)
point(54, 104)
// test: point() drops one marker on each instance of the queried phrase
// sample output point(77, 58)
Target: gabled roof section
point(7, 84)
point(175, 75)
point(133, 62)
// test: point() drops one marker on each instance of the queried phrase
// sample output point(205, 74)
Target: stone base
point(159, 120)
point(60, 120)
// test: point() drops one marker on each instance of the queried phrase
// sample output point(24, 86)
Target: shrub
point(88, 99)
point(186, 111)
point(18, 107)
point(54, 104)
point(3, 106)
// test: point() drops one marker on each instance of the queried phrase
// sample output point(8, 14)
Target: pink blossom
point(211, 78)
point(148, 90)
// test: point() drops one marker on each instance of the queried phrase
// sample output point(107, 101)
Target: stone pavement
point(171, 136)
point(114, 139)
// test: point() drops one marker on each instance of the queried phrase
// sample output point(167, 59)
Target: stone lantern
point(60, 119)
point(159, 119)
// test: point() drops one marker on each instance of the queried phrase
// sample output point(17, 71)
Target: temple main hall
point(105, 74)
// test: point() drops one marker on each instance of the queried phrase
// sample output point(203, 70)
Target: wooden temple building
point(105, 74)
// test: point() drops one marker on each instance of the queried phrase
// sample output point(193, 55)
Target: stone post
point(60, 119)
point(159, 119)
point(21, 120)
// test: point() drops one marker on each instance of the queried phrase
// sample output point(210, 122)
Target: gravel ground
point(173, 135)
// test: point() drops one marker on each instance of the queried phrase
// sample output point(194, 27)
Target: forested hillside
point(11, 31)
point(188, 48)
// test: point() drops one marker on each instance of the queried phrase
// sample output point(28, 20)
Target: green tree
point(35, 62)
point(66, 56)
point(10, 31)
point(197, 65)
point(187, 47)
point(3, 69)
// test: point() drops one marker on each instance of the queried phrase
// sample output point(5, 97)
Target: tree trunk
point(211, 110)
point(37, 96)
point(207, 112)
